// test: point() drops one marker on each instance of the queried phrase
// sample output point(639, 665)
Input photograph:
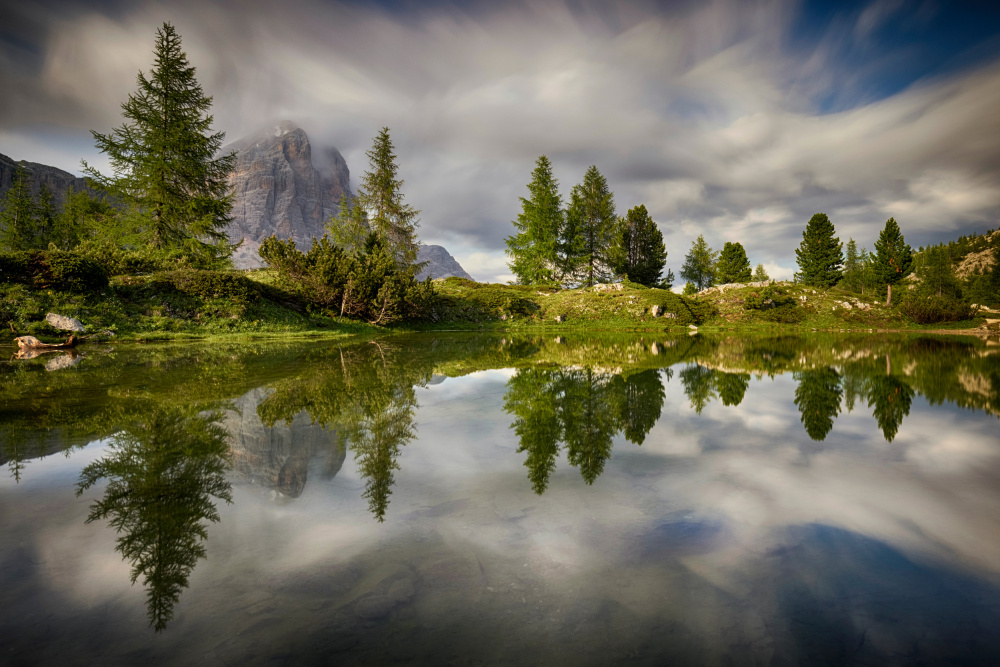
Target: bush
point(118, 261)
point(370, 286)
point(774, 305)
point(229, 285)
point(931, 308)
point(53, 269)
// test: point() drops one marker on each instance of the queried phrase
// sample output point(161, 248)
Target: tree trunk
point(888, 298)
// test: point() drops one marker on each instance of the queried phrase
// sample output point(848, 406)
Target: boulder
point(64, 323)
point(560, 318)
point(656, 311)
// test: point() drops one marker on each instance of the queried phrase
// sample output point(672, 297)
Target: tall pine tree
point(380, 201)
point(819, 255)
point(733, 265)
point(589, 229)
point(533, 250)
point(163, 157)
point(893, 257)
point(638, 252)
point(18, 213)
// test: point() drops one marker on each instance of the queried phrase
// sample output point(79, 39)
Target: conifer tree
point(638, 252)
point(936, 273)
point(163, 157)
point(349, 228)
point(533, 249)
point(18, 213)
point(590, 227)
point(819, 256)
point(760, 274)
point(699, 264)
point(893, 257)
point(852, 267)
point(733, 265)
point(380, 200)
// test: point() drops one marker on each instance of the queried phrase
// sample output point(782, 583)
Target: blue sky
point(733, 119)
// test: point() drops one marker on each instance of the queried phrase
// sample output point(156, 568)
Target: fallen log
point(32, 343)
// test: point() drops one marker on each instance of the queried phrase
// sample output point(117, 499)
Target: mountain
point(57, 180)
point(277, 189)
point(440, 263)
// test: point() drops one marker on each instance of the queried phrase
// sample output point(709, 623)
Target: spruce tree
point(819, 255)
point(852, 267)
point(760, 274)
point(590, 227)
point(380, 199)
point(163, 157)
point(533, 249)
point(733, 265)
point(936, 273)
point(637, 252)
point(893, 257)
point(18, 213)
point(699, 264)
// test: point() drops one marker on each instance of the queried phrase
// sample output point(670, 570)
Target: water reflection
point(581, 410)
point(163, 470)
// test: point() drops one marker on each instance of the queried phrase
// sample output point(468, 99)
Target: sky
point(733, 119)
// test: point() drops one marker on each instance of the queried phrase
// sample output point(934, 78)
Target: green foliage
point(819, 254)
point(690, 289)
point(533, 249)
point(699, 264)
point(19, 215)
point(378, 205)
point(638, 252)
point(230, 286)
point(163, 157)
point(119, 261)
point(83, 216)
point(349, 228)
point(893, 257)
point(937, 276)
point(53, 268)
point(733, 265)
point(371, 286)
point(930, 308)
point(760, 274)
point(589, 229)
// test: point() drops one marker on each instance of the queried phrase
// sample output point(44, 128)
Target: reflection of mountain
point(278, 456)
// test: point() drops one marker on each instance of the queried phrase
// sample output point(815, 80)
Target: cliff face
point(278, 457)
point(57, 180)
point(278, 190)
point(440, 263)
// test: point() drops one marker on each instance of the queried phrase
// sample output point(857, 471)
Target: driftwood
point(32, 343)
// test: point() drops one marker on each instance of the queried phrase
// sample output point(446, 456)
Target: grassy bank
point(234, 305)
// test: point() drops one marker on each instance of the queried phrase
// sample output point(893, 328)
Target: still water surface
point(475, 499)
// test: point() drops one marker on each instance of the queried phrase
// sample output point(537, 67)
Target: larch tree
point(733, 265)
point(637, 252)
point(164, 157)
point(18, 213)
point(699, 264)
point(893, 259)
point(590, 227)
point(380, 201)
point(819, 255)
point(760, 274)
point(533, 249)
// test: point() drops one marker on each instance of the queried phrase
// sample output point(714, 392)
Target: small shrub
point(229, 285)
point(931, 309)
point(53, 269)
point(774, 305)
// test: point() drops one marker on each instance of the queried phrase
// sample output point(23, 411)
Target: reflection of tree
point(891, 398)
point(732, 387)
point(532, 396)
point(588, 420)
point(367, 394)
point(818, 399)
point(641, 403)
point(581, 409)
point(699, 386)
point(163, 471)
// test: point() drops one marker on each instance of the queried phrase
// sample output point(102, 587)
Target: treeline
point(167, 202)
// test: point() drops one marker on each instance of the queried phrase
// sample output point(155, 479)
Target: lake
point(480, 499)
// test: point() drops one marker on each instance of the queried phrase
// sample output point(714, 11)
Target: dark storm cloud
point(714, 115)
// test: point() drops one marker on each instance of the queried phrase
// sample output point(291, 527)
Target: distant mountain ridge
point(57, 180)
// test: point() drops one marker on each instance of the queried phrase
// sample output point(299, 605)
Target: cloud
point(702, 112)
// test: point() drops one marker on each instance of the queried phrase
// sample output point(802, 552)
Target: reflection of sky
point(722, 500)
